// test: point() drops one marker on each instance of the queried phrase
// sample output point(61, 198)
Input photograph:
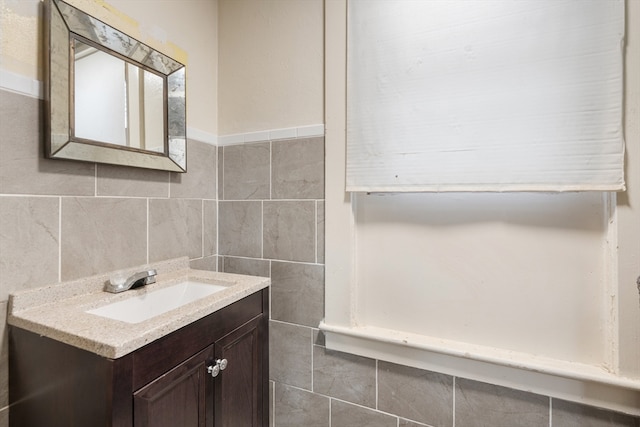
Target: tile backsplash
point(61, 220)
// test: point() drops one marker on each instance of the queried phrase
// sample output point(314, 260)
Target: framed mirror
point(110, 98)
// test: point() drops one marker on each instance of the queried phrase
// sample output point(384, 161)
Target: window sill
point(589, 384)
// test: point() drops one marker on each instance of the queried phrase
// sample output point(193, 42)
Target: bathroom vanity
point(202, 364)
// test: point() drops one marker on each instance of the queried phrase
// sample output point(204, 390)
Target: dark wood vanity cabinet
point(178, 398)
point(165, 383)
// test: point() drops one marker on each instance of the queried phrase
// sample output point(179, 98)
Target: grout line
point(270, 170)
point(222, 174)
point(270, 291)
point(148, 227)
point(203, 231)
point(270, 259)
point(60, 239)
point(219, 189)
point(273, 404)
point(273, 200)
point(453, 402)
point(38, 196)
point(377, 388)
point(358, 405)
point(550, 411)
point(313, 387)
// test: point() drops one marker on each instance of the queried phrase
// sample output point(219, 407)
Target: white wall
point(271, 80)
point(545, 275)
point(523, 272)
point(189, 36)
point(98, 108)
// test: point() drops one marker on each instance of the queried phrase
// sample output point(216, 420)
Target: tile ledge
point(307, 131)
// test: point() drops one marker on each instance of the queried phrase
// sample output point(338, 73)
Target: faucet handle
point(119, 283)
point(151, 276)
point(116, 282)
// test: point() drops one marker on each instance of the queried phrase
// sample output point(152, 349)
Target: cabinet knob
point(214, 370)
point(222, 363)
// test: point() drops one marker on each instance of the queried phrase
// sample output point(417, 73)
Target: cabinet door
point(181, 397)
point(239, 388)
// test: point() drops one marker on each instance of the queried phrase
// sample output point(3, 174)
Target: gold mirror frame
point(65, 24)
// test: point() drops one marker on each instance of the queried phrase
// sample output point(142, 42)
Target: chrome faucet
point(141, 278)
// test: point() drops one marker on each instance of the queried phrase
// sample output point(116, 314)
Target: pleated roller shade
point(485, 95)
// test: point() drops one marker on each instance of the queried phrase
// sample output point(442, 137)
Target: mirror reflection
point(117, 102)
point(109, 97)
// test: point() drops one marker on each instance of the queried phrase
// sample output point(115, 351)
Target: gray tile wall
point(271, 216)
point(61, 220)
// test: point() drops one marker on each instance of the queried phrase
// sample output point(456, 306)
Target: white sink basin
point(142, 307)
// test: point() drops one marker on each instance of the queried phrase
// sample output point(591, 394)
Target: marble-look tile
point(480, 404)
point(570, 414)
point(415, 394)
point(297, 293)
point(209, 263)
point(298, 169)
point(4, 356)
point(23, 168)
point(132, 182)
point(220, 168)
point(210, 224)
point(4, 417)
point(318, 338)
point(248, 266)
point(240, 228)
point(102, 234)
point(199, 182)
point(346, 415)
point(290, 230)
point(344, 376)
point(29, 241)
point(290, 354)
point(320, 231)
point(245, 171)
point(175, 229)
point(297, 408)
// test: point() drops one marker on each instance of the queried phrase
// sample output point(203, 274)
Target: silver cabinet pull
point(214, 370)
point(221, 365)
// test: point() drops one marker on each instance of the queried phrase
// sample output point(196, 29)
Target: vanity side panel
point(119, 394)
point(264, 333)
point(56, 385)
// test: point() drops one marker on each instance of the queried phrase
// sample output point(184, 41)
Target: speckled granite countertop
point(59, 311)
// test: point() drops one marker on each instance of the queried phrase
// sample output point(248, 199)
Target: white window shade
point(485, 95)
